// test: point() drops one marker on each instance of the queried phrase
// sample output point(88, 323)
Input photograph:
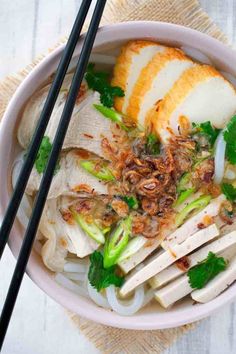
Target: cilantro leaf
point(131, 201)
point(98, 81)
point(43, 155)
point(98, 276)
point(229, 191)
point(203, 272)
point(230, 138)
point(152, 144)
point(208, 130)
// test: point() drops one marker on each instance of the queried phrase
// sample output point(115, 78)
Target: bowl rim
point(49, 286)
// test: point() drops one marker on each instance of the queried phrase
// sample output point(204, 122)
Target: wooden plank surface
point(39, 325)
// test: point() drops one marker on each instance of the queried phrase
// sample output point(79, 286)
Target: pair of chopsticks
point(22, 180)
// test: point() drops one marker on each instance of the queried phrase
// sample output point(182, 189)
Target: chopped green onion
point(111, 114)
point(152, 144)
point(117, 242)
point(131, 201)
point(101, 172)
point(183, 196)
point(91, 229)
point(132, 247)
point(196, 205)
point(183, 182)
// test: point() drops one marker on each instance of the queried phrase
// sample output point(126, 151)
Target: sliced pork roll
point(154, 82)
point(201, 94)
point(133, 59)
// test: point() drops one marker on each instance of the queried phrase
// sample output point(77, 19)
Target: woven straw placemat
point(183, 12)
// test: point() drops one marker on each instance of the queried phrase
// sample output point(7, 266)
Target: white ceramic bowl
point(108, 38)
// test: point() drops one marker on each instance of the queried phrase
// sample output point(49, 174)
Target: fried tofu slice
point(200, 94)
point(154, 82)
point(132, 60)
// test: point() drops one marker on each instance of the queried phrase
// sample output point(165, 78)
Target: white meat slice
point(157, 264)
point(217, 285)
point(191, 225)
point(62, 237)
point(179, 288)
point(86, 129)
point(34, 108)
point(70, 178)
point(173, 272)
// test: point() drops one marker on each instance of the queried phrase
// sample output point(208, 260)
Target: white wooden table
point(39, 325)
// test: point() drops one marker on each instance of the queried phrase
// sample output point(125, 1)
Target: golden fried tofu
point(200, 94)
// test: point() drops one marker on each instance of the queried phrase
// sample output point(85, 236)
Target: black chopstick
point(42, 125)
point(48, 175)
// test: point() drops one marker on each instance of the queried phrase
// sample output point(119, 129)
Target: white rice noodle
point(25, 208)
point(75, 267)
point(149, 295)
point(75, 276)
point(124, 307)
point(196, 55)
point(220, 146)
point(97, 297)
point(70, 285)
point(229, 77)
point(102, 59)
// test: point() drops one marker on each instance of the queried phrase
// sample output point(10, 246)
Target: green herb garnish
point(229, 191)
point(207, 129)
point(152, 144)
point(111, 114)
point(99, 81)
point(99, 277)
point(206, 270)
point(43, 155)
point(230, 138)
point(131, 201)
